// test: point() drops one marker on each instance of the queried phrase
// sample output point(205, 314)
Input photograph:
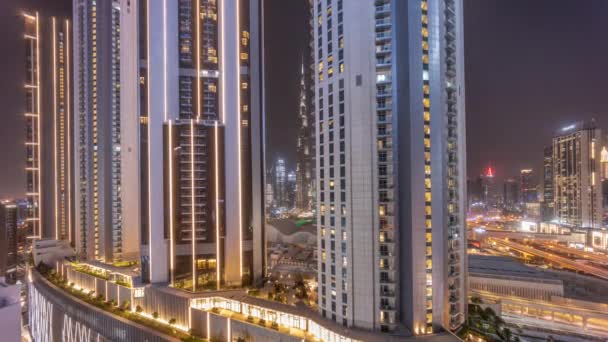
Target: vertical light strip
point(208, 327)
point(171, 238)
point(39, 133)
point(56, 171)
point(198, 59)
point(223, 64)
point(238, 114)
point(217, 209)
point(165, 57)
point(69, 127)
point(148, 123)
point(192, 183)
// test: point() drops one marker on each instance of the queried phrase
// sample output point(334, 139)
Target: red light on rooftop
point(489, 172)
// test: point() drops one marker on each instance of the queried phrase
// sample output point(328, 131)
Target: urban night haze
point(304, 170)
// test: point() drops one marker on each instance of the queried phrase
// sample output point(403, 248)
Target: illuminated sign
point(139, 292)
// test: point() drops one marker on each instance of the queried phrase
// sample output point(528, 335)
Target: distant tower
point(548, 205)
point(304, 160)
point(280, 183)
point(527, 191)
point(576, 160)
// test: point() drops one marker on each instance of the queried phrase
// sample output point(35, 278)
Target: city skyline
point(512, 102)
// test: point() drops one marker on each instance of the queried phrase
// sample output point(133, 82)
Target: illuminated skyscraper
point(280, 183)
point(106, 135)
point(8, 241)
point(528, 191)
point(390, 149)
point(548, 202)
point(510, 193)
point(604, 163)
point(304, 162)
point(49, 126)
point(201, 115)
point(33, 114)
point(576, 176)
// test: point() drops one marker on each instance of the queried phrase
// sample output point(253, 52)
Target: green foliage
point(155, 315)
point(138, 309)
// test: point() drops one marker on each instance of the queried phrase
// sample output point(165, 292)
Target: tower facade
point(49, 126)
point(576, 176)
point(548, 205)
point(106, 137)
point(527, 187)
point(604, 163)
point(390, 149)
point(33, 113)
point(201, 115)
point(304, 163)
point(280, 183)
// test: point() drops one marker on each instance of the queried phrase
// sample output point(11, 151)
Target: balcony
point(383, 23)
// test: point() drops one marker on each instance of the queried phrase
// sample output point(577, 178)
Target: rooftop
point(503, 266)
point(291, 226)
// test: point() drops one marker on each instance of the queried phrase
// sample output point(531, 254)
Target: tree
point(300, 287)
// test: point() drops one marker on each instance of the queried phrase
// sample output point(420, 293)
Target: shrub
point(172, 321)
point(275, 325)
point(262, 322)
point(155, 315)
point(250, 318)
point(138, 309)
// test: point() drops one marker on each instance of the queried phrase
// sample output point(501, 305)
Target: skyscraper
point(604, 163)
point(576, 179)
point(489, 191)
point(280, 183)
point(528, 191)
point(8, 241)
point(548, 202)
point(106, 143)
point(304, 163)
point(390, 149)
point(201, 114)
point(511, 196)
point(49, 126)
point(33, 113)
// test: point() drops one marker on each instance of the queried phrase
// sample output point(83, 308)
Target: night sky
point(531, 68)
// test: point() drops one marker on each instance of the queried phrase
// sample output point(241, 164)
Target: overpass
point(551, 258)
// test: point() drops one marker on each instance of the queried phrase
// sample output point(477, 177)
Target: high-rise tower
point(202, 137)
point(106, 125)
point(49, 126)
point(33, 113)
point(576, 176)
point(304, 162)
point(390, 149)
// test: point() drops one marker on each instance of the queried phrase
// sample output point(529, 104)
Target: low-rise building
point(10, 312)
point(49, 251)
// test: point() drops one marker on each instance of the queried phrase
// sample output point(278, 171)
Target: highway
point(553, 258)
point(575, 252)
